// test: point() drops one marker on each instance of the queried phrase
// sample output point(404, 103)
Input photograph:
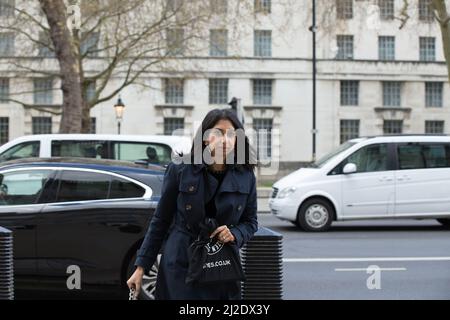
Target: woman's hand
point(223, 234)
point(135, 281)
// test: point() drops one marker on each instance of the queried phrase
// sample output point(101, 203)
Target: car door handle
point(386, 179)
point(404, 178)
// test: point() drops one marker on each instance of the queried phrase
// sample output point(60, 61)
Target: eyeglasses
point(217, 132)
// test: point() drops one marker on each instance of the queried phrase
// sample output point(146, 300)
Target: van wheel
point(315, 215)
point(444, 222)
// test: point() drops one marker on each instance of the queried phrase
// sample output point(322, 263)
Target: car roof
point(405, 138)
point(172, 140)
point(89, 163)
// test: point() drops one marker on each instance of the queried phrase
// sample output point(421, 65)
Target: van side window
point(80, 149)
point(421, 156)
point(437, 155)
point(23, 150)
point(371, 158)
point(151, 153)
point(410, 157)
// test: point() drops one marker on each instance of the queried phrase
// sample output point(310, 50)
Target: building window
point(7, 40)
point(263, 128)
point(426, 13)
point(262, 92)
point(4, 90)
point(263, 43)
point(93, 125)
point(172, 124)
point(344, 9)
point(219, 6)
point(393, 127)
point(427, 48)
point(174, 91)
point(349, 93)
point(89, 45)
point(45, 46)
point(218, 91)
point(386, 9)
point(345, 47)
point(392, 94)
point(434, 127)
point(175, 42)
point(263, 6)
point(91, 90)
point(433, 94)
point(218, 43)
point(4, 130)
point(349, 130)
point(42, 125)
point(7, 8)
point(43, 91)
point(386, 48)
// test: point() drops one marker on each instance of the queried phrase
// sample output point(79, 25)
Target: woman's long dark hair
point(208, 123)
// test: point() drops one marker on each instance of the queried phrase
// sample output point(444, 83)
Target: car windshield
point(322, 161)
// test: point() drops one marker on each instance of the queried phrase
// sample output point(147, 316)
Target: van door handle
point(404, 178)
point(386, 179)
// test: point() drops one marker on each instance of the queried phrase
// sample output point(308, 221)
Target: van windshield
point(322, 161)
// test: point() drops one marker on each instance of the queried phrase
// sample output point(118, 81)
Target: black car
point(77, 217)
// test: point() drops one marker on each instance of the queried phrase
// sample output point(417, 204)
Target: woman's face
point(221, 139)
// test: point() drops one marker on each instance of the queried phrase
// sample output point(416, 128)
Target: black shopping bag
point(212, 261)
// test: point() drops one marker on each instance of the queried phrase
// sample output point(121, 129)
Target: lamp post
point(313, 29)
point(119, 107)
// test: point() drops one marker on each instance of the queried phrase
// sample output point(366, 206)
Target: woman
point(216, 180)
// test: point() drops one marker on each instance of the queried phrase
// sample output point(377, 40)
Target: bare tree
point(120, 40)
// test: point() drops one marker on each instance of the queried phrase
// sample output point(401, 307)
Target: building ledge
point(173, 106)
point(263, 107)
point(395, 109)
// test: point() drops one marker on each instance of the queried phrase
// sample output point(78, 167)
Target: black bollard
point(262, 259)
point(6, 265)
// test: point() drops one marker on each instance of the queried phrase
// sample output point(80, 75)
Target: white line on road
point(381, 259)
point(365, 269)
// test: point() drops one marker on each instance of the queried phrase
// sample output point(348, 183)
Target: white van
point(145, 149)
point(369, 178)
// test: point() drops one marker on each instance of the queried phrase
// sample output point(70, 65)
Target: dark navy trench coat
point(179, 212)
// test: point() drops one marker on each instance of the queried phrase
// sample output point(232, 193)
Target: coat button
point(188, 207)
point(191, 189)
point(239, 208)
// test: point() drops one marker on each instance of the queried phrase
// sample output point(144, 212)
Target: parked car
point(382, 177)
point(144, 149)
point(77, 212)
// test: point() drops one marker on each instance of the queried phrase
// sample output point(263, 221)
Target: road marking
point(381, 259)
point(365, 269)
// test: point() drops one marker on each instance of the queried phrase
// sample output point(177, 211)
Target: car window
point(149, 152)
point(23, 150)
point(437, 155)
point(82, 186)
point(421, 156)
point(22, 187)
point(80, 149)
point(371, 158)
point(121, 188)
point(411, 157)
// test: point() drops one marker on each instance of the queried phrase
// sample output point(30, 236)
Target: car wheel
point(149, 280)
point(315, 215)
point(444, 222)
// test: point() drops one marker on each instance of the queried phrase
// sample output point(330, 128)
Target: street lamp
point(313, 29)
point(119, 107)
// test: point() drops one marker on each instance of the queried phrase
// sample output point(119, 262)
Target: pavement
point(383, 259)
